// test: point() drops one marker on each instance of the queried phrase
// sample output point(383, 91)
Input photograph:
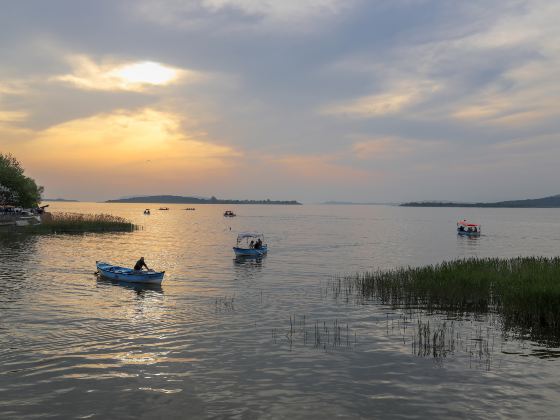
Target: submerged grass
point(524, 291)
point(82, 223)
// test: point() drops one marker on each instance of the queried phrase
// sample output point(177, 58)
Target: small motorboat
point(114, 272)
point(27, 218)
point(147, 211)
point(465, 228)
point(190, 208)
point(250, 244)
point(229, 213)
point(164, 208)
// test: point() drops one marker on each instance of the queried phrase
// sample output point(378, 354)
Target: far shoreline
point(173, 199)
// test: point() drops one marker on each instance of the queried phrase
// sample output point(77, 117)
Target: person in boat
point(258, 244)
point(252, 244)
point(462, 228)
point(140, 264)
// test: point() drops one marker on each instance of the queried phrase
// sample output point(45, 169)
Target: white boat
point(27, 218)
point(114, 272)
point(465, 228)
point(250, 244)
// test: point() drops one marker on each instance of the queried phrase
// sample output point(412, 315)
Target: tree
point(15, 188)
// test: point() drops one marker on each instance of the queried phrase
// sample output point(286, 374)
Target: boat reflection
point(142, 290)
point(469, 238)
point(248, 261)
point(468, 243)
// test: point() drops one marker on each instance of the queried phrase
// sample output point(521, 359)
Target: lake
point(269, 338)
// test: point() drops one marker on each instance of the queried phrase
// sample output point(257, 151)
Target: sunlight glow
point(113, 75)
point(147, 72)
point(123, 150)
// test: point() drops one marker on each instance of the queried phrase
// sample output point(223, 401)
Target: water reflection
point(328, 336)
point(223, 339)
point(17, 253)
point(248, 261)
point(144, 304)
point(142, 290)
point(469, 245)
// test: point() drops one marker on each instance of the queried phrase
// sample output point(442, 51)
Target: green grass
point(82, 223)
point(524, 291)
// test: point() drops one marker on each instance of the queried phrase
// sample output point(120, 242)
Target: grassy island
point(82, 223)
point(524, 291)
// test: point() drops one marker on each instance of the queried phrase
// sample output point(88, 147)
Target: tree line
point(16, 189)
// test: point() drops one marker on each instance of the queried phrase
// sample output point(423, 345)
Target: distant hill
point(175, 199)
point(351, 203)
point(546, 202)
point(60, 199)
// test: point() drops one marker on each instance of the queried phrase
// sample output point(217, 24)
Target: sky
point(312, 100)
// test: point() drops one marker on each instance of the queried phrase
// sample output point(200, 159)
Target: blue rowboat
point(246, 245)
point(114, 272)
point(250, 252)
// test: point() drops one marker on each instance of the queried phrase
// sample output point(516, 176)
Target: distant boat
point(229, 213)
point(247, 245)
point(27, 218)
point(190, 208)
point(114, 272)
point(465, 228)
point(164, 208)
point(147, 211)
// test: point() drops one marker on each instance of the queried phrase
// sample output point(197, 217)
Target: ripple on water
point(255, 338)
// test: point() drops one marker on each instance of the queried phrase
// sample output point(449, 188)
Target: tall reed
point(77, 222)
point(524, 291)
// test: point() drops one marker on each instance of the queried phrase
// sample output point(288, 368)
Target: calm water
point(261, 339)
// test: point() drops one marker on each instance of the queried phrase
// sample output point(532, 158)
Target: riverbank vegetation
point(82, 223)
point(16, 189)
point(525, 292)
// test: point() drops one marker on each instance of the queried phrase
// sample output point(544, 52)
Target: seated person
point(139, 264)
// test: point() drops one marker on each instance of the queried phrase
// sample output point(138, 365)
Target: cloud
point(386, 103)
point(12, 116)
point(309, 92)
point(317, 167)
point(128, 137)
point(482, 63)
point(524, 95)
point(286, 10)
point(118, 75)
point(300, 15)
point(121, 151)
point(13, 87)
point(384, 148)
point(8, 90)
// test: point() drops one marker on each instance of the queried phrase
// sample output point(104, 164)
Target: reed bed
point(81, 223)
point(524, 291)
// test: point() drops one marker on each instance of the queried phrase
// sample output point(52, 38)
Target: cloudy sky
point(361, 100)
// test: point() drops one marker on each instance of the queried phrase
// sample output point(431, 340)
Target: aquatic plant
point(321, 335)
point(524, 291)
point(225, 304)
point(78, 223)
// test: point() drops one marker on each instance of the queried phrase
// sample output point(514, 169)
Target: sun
point(146, 72)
